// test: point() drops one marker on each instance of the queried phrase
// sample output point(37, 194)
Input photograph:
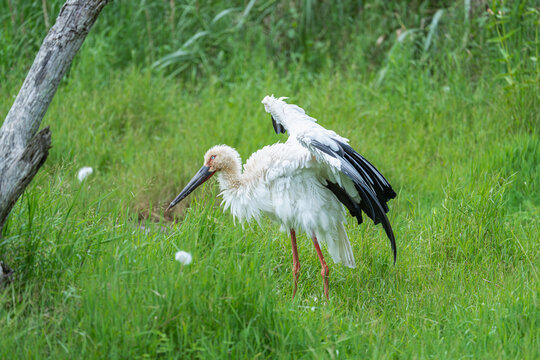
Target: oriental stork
point(303, 184)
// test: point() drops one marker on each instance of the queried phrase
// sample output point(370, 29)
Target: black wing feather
point(278, 128)
point(346, 200)
point(382, 186)
point(373, 188)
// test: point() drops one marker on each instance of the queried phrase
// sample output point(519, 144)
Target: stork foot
point(296, 272)
point(324, 271)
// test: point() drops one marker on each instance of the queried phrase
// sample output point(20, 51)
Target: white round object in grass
point(184, 257)
point(84, 172)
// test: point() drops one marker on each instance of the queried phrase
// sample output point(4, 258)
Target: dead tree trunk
point(22, 152)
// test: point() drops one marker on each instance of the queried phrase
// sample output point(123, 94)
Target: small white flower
point(84, 172)
point(183, 257)
point(313, 308)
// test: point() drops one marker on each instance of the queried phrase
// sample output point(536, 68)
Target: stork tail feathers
point(339, 246)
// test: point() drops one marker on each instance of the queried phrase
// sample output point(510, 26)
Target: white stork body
point(287, 184)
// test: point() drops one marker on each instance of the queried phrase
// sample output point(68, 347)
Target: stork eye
point(213, 157)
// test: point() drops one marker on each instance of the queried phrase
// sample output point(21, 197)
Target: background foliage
point(442, 96)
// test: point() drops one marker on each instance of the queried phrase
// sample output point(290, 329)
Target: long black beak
point(278, 128)
point(200, 177)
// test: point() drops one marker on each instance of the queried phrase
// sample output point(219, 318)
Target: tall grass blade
point(433, 29)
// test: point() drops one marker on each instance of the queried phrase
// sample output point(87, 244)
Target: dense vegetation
point(442, 96)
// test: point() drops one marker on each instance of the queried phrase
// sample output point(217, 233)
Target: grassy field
point(447, 108)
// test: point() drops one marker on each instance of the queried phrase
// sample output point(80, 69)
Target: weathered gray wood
point(22, 152)
point(21, 170)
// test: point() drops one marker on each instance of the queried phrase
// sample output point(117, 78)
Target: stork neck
point(230, 178)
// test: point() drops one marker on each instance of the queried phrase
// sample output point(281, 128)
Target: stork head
point(222, 157)
point(218, 158)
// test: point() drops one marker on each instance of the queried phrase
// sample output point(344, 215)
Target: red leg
point(296, 261)
point(325, 271)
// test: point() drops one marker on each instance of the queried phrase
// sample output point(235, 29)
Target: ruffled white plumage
point(285, 182)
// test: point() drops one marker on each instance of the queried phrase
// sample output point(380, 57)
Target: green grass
point(95, 269)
